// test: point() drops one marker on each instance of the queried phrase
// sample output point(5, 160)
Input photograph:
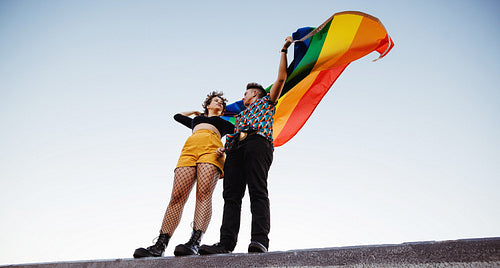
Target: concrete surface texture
point(481, 252)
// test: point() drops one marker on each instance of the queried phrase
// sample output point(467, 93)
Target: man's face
point(249, 96)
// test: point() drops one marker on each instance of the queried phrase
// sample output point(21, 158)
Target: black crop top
point(224, 127)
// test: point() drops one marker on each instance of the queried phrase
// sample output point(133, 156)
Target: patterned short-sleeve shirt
point(259, 117)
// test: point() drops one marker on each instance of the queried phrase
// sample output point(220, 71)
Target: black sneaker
point(256, 247)
point(155, 250)
point(217, 248)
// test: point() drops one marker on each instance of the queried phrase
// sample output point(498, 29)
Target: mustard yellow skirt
point(201, 147)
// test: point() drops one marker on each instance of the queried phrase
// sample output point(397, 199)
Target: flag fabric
point(320, 55)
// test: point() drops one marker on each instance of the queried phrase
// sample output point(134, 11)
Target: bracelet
point(284, 50)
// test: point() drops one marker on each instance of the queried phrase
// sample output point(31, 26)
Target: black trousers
point(247, 163)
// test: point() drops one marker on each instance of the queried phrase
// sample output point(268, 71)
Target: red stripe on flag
point(308, 103)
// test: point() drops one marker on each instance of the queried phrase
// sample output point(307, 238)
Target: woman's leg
point(184, 180)
point(208, 175)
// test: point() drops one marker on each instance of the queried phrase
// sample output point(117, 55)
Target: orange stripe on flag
point(288, 102)
point(306, 105)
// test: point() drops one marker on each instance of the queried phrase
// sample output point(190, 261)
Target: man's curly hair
point(209, 98)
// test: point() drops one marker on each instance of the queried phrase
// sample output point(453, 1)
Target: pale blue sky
point(403, 149)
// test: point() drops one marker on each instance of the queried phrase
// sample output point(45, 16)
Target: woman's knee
point(204, 193)
point(178, 198)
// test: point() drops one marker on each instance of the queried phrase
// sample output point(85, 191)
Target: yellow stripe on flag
point(340, 36)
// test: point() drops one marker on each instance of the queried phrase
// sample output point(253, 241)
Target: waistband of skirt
point(199, 131)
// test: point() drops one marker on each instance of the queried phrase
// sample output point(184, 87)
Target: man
point(249, 156)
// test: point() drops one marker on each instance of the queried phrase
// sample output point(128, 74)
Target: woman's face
point(216, 105)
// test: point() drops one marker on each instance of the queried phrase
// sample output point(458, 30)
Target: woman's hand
point(220, 151)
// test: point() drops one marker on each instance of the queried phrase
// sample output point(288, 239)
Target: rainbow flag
point(320, 55)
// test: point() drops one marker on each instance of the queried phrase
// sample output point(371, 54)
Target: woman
point(198, 163)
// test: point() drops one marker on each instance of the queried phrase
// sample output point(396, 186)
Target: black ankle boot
point(191, 247)
point(155, 250)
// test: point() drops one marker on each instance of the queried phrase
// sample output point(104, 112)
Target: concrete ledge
point(483, 252)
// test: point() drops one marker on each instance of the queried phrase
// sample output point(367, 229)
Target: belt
point(244, 135)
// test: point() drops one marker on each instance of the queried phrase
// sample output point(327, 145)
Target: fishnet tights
point(206, 176)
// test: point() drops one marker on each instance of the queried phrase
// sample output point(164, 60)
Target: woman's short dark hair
point(209, 98)
point(261, 90)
